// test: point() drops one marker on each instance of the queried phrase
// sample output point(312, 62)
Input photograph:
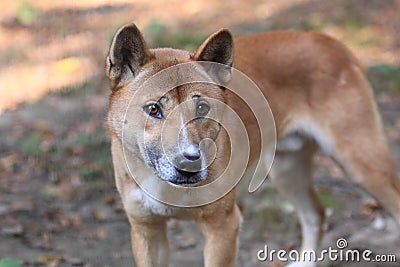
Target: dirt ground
point(58, 202)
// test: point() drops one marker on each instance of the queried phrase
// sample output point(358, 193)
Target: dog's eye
point(202, 109)
point(153, 110)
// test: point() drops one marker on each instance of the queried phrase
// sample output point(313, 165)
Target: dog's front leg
point(149, 243)
point(220, 230)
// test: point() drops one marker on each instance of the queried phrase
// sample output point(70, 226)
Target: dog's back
point(320, 98)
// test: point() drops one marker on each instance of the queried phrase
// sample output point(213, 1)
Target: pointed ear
point(218, 48)
point(128, 53)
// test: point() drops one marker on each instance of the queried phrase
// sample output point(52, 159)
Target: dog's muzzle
point(188, 167)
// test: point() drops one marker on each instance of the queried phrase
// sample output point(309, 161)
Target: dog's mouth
point(186, 178)
point(177, 175)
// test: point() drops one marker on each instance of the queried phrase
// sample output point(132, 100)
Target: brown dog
point(319, 98)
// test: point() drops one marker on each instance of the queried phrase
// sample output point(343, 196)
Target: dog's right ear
point(128, 53)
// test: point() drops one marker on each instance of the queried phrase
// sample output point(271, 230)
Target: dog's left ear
point(128, 53)
point(218, 48)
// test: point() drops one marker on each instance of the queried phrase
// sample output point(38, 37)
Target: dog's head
point(163, 118)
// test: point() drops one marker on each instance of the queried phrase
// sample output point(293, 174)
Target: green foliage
point(156, 31)
point(271, 210)
point(13, 55)
point(82, 139)
point(188, 40)
point(30, 144)
point(385, 78)
point(100, 165)
point(89, 174)
point(353, 22)
point(27, 14)
point(159, 35)
point(329, 201)
point(9, 262)
point(314, 23)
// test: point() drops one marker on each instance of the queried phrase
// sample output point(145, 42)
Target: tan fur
point(319, 97)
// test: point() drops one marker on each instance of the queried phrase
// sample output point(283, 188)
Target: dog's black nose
point(190, 159)
point(192, 152)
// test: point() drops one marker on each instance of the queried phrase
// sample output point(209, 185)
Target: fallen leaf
point(7, 163)
point(118, 207)
point(369, 208)
point(108, 199)
point(76, 221)
point(49, 260)
point(99, 215)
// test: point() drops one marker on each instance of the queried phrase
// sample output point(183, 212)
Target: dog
point(320, 100)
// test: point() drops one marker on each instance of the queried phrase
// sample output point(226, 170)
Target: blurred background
point(58, 203)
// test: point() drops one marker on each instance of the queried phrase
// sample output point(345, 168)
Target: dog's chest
point(138, 203)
